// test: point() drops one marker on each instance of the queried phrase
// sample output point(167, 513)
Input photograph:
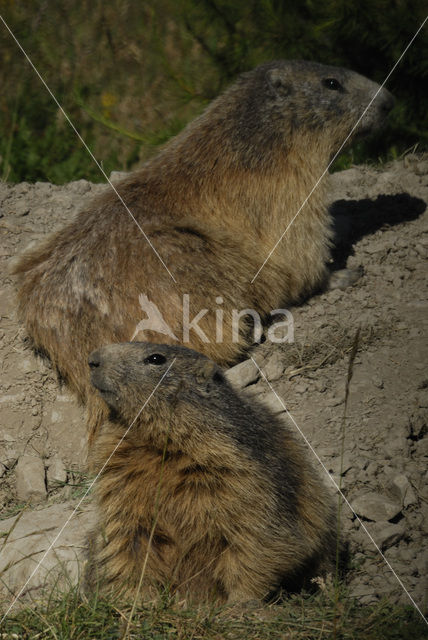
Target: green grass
point(78, 482)
point(131, 75)
point(13, 510)
point(301, 617)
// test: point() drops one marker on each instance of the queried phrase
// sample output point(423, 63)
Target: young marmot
point(213, 204)
point(219, 484)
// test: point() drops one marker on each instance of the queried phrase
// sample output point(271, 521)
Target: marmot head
point(132, 375)
point(292, 102)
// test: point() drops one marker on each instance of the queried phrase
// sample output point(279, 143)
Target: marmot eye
point(332, 83)
point(155, 358)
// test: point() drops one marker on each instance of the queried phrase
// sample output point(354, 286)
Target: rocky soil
point(382, 230)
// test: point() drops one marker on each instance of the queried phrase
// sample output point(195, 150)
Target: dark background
point(132, 74)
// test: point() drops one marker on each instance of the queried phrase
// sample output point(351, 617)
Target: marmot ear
point(279, 83)
point(206, 371)
point(207, 374)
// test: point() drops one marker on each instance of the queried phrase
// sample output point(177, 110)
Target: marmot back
point(213, 205)
point(208, 491)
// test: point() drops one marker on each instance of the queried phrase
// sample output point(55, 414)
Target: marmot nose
point(94, 360)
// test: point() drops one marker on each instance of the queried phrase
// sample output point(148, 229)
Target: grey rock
point(274, 368)
point(386, 535)
point(65, 422)
point(421, 562)
point(29, 365)
point(416, 427)
point(243, 374)
point(7, 302)
point(378, 382)
point(335, 480)
point(374, 506)
point(397, 442)
point(80, 186)
point(375, 247)
point(341, 466)
point(320, 385)
point(422, 447)
point(301, 387)
point(28, 536)
point(421, 168)
point(422, 400)
point(361, 294)
point(358, 560)
point(370, 568)
point(401, 489)
point(255, 389)
point(334, 401)
point(364, 593)
point(407, 555)
point(336, 283)
point(271, 401)
point(21, 208)
point(30, 479)
point(371, 469)
point(56, 473)
point(116, 176)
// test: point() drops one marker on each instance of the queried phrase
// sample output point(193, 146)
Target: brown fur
point(213, 203)
point(237, 511)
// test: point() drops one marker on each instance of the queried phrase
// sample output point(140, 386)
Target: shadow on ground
point(354, 219)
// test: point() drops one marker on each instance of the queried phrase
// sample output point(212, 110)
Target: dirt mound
point(382, 229)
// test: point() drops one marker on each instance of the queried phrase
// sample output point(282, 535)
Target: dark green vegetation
point(131, 74)
point(320, 617)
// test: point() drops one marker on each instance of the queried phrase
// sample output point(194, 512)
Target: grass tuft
point(300, 617)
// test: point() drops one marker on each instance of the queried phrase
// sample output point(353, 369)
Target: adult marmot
point(213, 204)
point(218, 484)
